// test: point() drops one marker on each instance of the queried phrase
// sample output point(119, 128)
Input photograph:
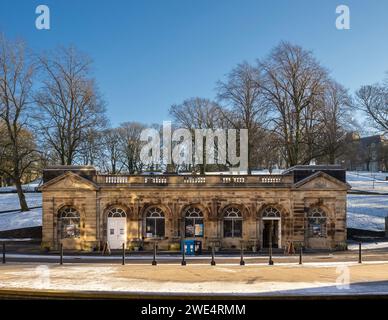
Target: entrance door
point(117, 232)
point(271, 229)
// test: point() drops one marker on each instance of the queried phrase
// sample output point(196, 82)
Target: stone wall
point(293, 202)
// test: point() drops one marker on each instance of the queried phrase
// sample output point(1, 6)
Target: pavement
point(19, 251)
point(29, 272)
point(195, 280)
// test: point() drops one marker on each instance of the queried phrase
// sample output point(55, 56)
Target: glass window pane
point(189, 227)
point(159, 227)
point(237, 228)
point(227, 228)
point(150, 227)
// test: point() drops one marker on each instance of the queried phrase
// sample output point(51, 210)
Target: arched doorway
point(116, 228)
point(271, 226)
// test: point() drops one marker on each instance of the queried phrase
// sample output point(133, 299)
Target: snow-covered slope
point(30, 187)
point(20, 220)
point(367, 211)
point(10, 201)
point(367, 181)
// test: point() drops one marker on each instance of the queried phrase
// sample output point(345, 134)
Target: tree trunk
point(22, 198)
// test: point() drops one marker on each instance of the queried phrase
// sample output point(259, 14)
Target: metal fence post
point(301, 255)
point(242, 262)
point(359, 253)
point(154, 263)
point(61, 255)
point(3, 252)
point(213, 262)
point(123, 258)
point(183, 263)
point(270, 262)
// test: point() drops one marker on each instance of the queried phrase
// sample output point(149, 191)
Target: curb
point(111, 295)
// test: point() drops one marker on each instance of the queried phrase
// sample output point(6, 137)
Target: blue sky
point(149, 54)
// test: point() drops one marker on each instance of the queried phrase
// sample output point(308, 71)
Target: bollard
point(61, 255)
point(242, 262)
point(154, 263)
point(3, 252)
point(301, 255)
point(183, 263)
point(123, 260)
point(359, 253)
point(270, 262)
point(213, 262)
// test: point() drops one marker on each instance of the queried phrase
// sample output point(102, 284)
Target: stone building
point(84, 210)
point(366, 153)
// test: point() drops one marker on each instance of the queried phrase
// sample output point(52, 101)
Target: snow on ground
point(20, 220)
point(202, 280)
point(30, 187)
point(371, 245)
point(367, 211)
point(368, 181)
point(10, 201)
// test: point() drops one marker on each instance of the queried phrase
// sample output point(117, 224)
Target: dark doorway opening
point(270, 228)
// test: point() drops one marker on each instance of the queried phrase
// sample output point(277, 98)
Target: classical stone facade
point(85, 210)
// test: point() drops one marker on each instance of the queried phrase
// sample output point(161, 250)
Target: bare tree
point(197, 113)
point(130, 145)
point(70, 105)
point(373, 101)
point(113, 154)
point(17, 142)
point(294, 82)
point(335, 122)
point(91, 147)
point(245, 107)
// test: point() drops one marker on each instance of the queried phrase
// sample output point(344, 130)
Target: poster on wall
point(70, 231)
point(189, 230)
point(199, 230)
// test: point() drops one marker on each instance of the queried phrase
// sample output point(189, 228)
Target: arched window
point(154, 223)
point(193, 222)
point(69, 223)
point(232, 223)
point(116, 213)
point(271, 212)
point(316, 223)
